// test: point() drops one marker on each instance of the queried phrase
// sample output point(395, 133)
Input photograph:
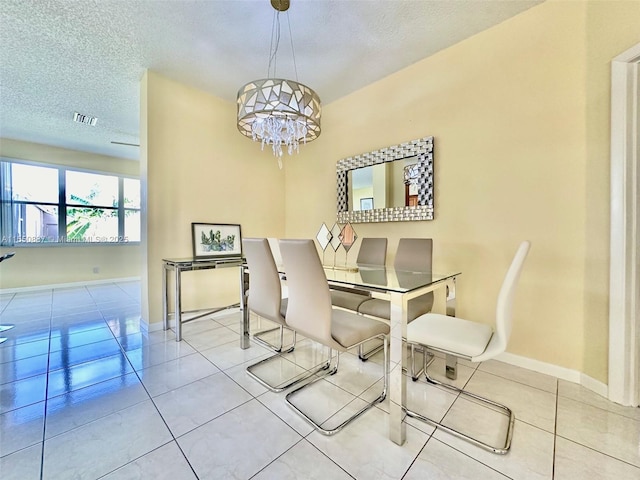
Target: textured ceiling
point(61, 56)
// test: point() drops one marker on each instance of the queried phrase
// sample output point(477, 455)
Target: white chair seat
point(451, 334)
point(351, 329)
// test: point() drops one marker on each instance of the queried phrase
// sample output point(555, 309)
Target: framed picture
point(216, 240)
point(366, 203)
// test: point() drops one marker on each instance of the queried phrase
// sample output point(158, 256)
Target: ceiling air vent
point(86, 119)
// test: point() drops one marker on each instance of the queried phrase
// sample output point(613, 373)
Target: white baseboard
point(594, 385)
point(147, 327)
point(67, 285)
point(563, 373)
point(541, 367)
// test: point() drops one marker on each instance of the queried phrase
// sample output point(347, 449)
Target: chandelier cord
point(293, 53)
point(273, 48)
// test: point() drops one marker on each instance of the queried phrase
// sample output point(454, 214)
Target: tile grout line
point(600, 452)
point(433, 438)
point(46, 395)
point(150, 398)
point(124, 353)
point(174, 439)
point(603, 409)
point(305, 437)
point(521, 383)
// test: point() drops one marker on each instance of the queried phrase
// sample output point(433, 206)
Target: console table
point(179, 265)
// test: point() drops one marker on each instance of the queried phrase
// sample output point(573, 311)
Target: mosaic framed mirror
point(393, 184)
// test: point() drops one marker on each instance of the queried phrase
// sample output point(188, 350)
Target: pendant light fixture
point(275, 111)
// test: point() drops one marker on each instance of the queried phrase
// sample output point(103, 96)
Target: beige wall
point(196, 167)
point(611, 30)
point(36, 152)
point(34, 266)
point(520, 119)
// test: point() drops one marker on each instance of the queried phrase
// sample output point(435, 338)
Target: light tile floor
point(84, 393)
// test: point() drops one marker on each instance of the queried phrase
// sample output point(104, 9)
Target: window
point(51, 204)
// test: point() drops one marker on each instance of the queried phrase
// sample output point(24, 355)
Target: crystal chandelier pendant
point(278, 112)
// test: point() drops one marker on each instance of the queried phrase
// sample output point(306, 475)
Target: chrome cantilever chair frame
point(332, 371)
point(310, 312)
point(364, 356)
point(487, 345)
point(267, 303)
point(512, 418)
point(257, 337)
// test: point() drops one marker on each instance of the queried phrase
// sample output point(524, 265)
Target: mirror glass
point(384, 185)
point(387, 185)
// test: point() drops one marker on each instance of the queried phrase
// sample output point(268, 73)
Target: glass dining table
point(398, 287)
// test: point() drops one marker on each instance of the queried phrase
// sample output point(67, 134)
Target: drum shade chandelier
point(278, 112)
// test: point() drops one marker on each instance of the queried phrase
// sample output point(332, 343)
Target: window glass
point(35, 223)
point(132, 225)
point(92, 189)
point(131, 193)
point(34, 200)
point(34, 184)
point(92, 224)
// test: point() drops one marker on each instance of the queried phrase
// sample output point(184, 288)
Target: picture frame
point(211, 240)
point(366, 203)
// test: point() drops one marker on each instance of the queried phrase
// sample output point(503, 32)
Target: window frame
point(62, 205)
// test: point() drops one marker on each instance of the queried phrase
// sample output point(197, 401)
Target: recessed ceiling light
point(86, 119)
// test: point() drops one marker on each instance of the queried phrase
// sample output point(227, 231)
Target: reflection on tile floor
point(86, 393)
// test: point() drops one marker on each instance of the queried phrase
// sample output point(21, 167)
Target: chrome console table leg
point(178, 306)
point(244, 326)
point(165, 298)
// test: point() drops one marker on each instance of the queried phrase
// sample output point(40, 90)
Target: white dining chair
point(311, 314)
point(265, 300)
point(473, 341)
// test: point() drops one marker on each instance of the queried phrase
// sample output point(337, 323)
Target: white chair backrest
point(373, 251)
point(309, 310)
point(504, 308)
point(264, 282)
point(414, 254)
